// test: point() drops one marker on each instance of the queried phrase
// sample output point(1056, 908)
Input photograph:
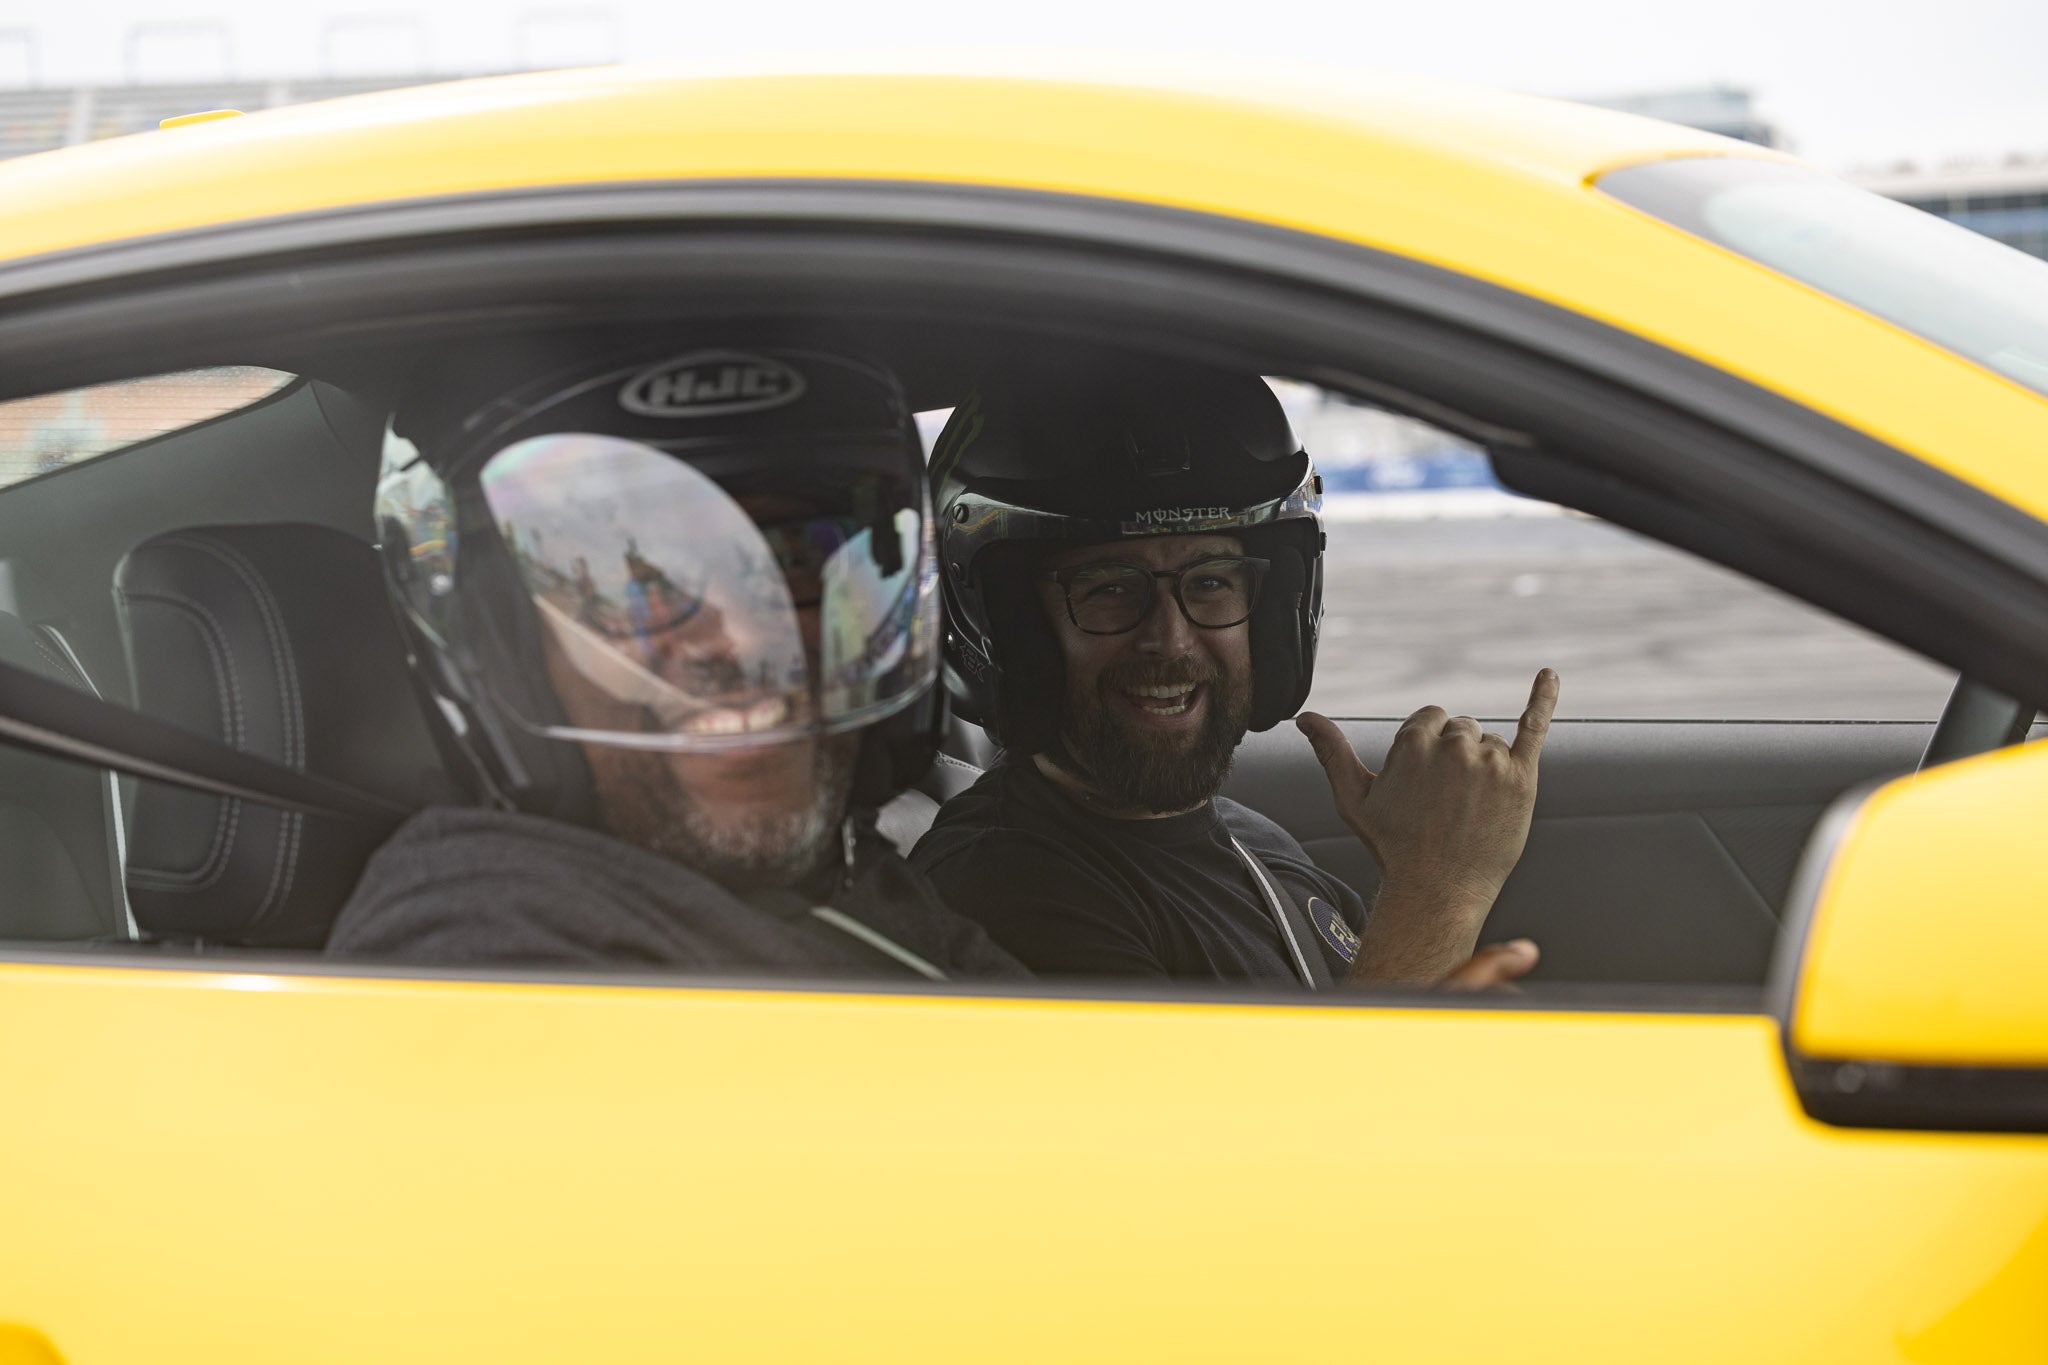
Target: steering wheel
point(1976, 721)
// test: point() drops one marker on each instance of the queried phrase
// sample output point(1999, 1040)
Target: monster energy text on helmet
point(713, 546)
point(1100, 450)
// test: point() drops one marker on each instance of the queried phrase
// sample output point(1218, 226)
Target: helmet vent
point(1159, 455)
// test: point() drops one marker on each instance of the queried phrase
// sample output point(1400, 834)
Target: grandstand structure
point(37, 120)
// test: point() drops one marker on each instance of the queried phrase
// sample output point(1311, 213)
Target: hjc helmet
point(655, 521)
point(1108, 450)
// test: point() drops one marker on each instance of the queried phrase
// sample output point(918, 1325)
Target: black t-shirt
point(1072, 893)
point(475, 887)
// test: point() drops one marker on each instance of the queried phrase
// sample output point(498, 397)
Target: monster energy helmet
point(1103, 449)
point(708, 547)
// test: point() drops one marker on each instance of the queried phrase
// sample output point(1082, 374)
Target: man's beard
point(646, 803)
point(1131, 769)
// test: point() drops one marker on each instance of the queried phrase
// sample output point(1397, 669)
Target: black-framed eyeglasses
point(1111, 597)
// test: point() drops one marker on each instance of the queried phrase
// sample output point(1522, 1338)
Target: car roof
point(1492, 185)
point(1167, 133)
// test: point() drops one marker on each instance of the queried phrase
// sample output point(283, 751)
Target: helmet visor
point(692, 608)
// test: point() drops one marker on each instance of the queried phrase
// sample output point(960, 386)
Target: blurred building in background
point(2008, 202)
point(1725, 109)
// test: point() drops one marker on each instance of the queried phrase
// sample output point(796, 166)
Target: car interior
point(219, 576)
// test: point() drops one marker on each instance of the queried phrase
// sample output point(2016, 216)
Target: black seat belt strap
point(1295, 932)
point(49, 717)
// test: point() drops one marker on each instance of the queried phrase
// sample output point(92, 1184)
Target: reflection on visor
point(692, 615)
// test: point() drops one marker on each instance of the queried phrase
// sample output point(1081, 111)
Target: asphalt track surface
point(1461, 613)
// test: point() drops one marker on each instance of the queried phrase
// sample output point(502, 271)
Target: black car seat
point(277, 640)
point(60, 822)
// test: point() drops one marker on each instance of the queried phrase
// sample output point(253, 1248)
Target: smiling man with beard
point(1133, 581)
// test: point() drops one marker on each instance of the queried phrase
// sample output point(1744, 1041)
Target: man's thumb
point(1340, 762)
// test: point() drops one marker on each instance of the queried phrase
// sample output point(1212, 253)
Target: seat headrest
point(277, 640)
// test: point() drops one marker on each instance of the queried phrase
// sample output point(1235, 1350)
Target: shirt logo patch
point(1339, 935)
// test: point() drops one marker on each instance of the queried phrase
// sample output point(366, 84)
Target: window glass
point(1978, 297)
point(1443, 588)
point(53, 431)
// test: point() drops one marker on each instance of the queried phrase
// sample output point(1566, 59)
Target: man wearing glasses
point(1132, 574)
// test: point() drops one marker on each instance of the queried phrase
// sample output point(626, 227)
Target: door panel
point(259, 1167)
point(1661, 850)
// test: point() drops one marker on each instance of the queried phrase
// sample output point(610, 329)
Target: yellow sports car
point(1779, 1091)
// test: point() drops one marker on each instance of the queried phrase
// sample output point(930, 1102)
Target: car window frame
point(1527, 380)
point(1568, 407)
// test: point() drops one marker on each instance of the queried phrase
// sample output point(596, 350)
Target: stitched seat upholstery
point(277, 640)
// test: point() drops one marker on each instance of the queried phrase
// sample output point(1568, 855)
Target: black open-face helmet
point(1106, 449)
point(717, 546)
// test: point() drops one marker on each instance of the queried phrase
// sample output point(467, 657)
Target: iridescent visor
point(692, 612)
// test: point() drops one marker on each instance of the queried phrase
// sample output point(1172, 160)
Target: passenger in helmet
point(1132, 557)
point(679, 606)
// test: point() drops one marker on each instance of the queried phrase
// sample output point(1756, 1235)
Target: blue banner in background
point(1410, 472)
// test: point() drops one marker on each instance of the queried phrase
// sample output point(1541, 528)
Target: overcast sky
point(1849, 84)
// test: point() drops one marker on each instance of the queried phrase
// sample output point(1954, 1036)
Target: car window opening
point(1438, 586)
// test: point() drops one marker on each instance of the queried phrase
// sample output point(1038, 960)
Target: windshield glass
point(1979, 298)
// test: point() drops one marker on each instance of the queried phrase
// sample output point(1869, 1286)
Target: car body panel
point(1494, 186)
point(263, 1162)
point(1908, 976)
point(249, 1167)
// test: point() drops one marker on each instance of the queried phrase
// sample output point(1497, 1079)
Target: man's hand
point(1446, 819)
point(1493, 968)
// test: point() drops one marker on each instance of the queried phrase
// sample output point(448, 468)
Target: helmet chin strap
point(849, 842)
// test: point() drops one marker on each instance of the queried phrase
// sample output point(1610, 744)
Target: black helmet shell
point(1092, 450)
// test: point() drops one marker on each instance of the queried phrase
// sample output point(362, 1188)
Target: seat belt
point(51, 718)
point(1287, 917)
point(113, 803)
point(880, 942)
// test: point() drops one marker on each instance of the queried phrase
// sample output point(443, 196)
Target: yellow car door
point(220, 1166)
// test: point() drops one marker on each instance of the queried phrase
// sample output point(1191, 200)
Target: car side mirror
point(1912, 980)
